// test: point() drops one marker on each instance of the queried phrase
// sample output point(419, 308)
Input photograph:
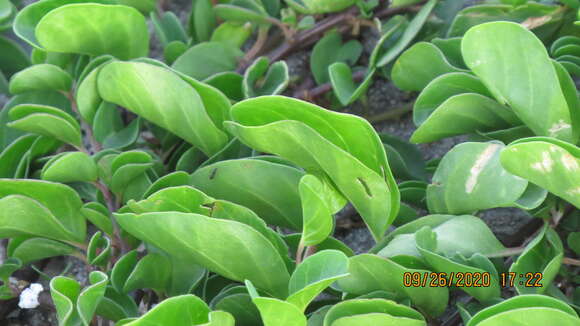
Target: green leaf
point(242, 11)
point(470, 177)
point(88, 28)
point(405, 159)
point(70, 167)
point(207, 59)
point(319, 202)
point(34, 249)
point(74, 306)
point(367, 274)
point(269, 189)
point(232, 34)
point(107, 121)
point(274, 311)
point(29, 17)
point(344, 147)
point(39, 78)
point(548, 163)
point(143, 6)
point(168, 28)
point(343, 84)
point(47, 121)
point(172, 104)
point(12, 57)
point(98, 214)
point(465, 235)
point(261, 78)
point(151, 272)
point(115, 306)
point(477, 264)
point(319, 6)
point(240, 305)
point(99, 250)
point(185, 310)
point(190, 237)
point(8, 267)
point(174, 50)
point(410, 74)
point(329, 50)
point(573, 241)
point(372, 312)
point(202, 21)
point(412, 30)
point(314, 275)
point(532, 310)
point(41, 208)
point(542, 255)
point(229, 83)
point(539, 94)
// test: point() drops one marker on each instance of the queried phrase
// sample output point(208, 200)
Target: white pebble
point(29, 297)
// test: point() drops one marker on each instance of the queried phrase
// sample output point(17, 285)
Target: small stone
point(29, 297)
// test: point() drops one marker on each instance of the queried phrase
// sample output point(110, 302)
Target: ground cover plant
point(209, 162)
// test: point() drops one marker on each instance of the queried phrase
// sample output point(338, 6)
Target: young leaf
point(99, 250)
point(500, 69)
point(320, 140)
point(319, 6)
point(74, 306)
point(182, 310)
point(543, 255)
point(274, 311)
point(329, 50)
point(70, 167)
point(547, 162)
point(314, 275)
point(261, 78)
point(94, 29)
point(343, 84)
point(40, 78)
point(47, 121)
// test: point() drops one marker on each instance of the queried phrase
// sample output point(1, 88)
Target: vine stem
point(571, 261)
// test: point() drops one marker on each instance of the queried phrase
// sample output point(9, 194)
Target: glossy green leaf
point(477, 264)
point(94, 29)
point(240, 305)
point(465, 235)
point(35, 249)
point(12, 57)
point(274, 311)
point(405, 159)
point(411, 75)
point(324, 141)
point(115, 306)
point(532, 310)
point(242, 11)
point(470, 177)
point(99, 250)
point(372, 312)
point(229, 83)
point(73, 305)
point(261, 78)
point(500, 69)
point(39, 78)
point(548, 163)
point(542, 255)
point(269, 189)
point(174, 50)
point(29, 17)
point(41, 208)
point(246, 255)
point(98, 214)
point(314, 275)
point(367, 274)
point(8, 267)
point(70, 167)
point(207, 59)
point(173, 104)
point(182, 310)
point(47, 121)
point(317, 198)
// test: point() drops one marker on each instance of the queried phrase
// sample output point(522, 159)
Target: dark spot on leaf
point(364, 184)
point(212, 173)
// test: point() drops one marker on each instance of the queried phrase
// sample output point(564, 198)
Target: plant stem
point(508, 252)
point(255, 50)
point(95, 146)
point(571, 261)
point(299, 252)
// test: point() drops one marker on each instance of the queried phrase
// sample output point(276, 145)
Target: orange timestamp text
point(460, 279)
